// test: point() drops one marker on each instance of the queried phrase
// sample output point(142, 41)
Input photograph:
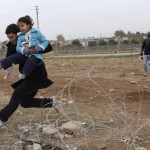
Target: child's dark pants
point(29, 62)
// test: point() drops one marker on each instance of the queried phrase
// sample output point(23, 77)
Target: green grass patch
point(93, 57)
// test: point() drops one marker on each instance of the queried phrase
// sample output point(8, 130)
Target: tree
point(119, 33)
point(138, 37)
point(133, 41)
point(92, 43)
point(112, 42)
point(60, 37)
point(125, 42)
point(102, 42)
point(130, 36)
point(60, 40)
point(76, 42)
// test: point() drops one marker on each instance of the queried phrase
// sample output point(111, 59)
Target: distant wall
point(97, 49)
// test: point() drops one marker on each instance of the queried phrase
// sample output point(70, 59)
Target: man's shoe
point(53, 99)
point(21, 76)
point(145, 74)
point(54, 103)
point(2, 124)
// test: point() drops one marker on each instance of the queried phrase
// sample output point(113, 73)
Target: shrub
point(102, 42)
point(92, 43)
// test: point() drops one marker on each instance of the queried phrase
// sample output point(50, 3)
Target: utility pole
point(36, 8)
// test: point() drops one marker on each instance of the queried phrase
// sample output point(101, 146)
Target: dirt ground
point(110, 96)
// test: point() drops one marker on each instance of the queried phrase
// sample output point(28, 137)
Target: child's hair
point(26, 19)
point(12, 28)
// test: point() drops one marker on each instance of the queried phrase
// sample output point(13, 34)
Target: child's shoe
point(21, 76)
point(0, 66)
point(2, 124)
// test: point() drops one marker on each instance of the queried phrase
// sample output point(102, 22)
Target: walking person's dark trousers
point(23, 95)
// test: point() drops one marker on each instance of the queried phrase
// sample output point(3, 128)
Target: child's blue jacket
point(34, 39)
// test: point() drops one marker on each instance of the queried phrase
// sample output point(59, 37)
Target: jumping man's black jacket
point(38, 76)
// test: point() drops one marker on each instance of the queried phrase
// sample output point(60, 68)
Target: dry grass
point(115, 112)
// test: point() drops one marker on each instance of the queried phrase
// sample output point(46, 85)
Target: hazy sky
point(79, 18)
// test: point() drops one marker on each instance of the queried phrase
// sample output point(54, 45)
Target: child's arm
point(43, 42)
point(21, 49)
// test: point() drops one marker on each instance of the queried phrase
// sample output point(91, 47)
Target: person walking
point(145, 54)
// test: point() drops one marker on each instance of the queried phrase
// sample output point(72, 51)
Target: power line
point(46, 6)
point(72, 3)
point(61, 3)
point(51, 5)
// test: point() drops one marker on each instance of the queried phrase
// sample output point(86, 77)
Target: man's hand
point(141, 54)
point(31, 50)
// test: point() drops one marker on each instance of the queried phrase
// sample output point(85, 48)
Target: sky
point(78, 18)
